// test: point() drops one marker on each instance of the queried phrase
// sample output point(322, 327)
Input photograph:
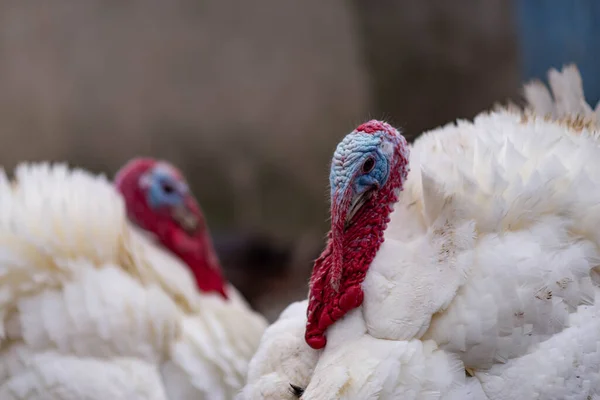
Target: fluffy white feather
point(359, 366)
point(282, 359)
point(564, 367)
point(567, 99)
point(92, 309)
point(517, 259)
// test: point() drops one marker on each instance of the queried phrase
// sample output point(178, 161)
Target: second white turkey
point(94, 308)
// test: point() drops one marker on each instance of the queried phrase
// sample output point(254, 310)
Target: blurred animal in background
point(158, 200)
point(95, 307)
point(463, 266)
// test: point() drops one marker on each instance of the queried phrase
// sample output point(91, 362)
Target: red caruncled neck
point(361, 241)
point(199, 255)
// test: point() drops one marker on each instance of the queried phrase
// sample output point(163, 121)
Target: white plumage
point(568, 100)
point(93, 309)
point(488, 265)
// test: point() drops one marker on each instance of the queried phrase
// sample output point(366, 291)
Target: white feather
point(567, 99)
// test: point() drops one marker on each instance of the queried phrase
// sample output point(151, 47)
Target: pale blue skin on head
point(349, 158)
point(156, 182)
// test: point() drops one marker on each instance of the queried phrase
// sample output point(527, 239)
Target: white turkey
point(95, 308)
point(466, 269)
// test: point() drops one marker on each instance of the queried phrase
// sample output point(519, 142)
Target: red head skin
point(335, 284)
point(193, 246)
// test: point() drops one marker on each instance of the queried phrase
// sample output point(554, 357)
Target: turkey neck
point(331, 297)
point(202, 260)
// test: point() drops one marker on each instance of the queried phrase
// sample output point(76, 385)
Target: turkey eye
point(368, 165)
point(167, 188)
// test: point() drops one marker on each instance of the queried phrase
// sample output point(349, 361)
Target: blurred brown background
point(248, 98)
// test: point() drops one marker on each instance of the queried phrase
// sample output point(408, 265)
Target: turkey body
point(92, 308)
point(489, 265)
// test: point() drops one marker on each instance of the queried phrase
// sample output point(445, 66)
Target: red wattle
point(208, 277)
point(354, 248)
point(199, 255)
point(327, 305)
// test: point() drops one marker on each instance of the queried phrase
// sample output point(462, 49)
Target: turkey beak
point(355, 204)
point(185, 218)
